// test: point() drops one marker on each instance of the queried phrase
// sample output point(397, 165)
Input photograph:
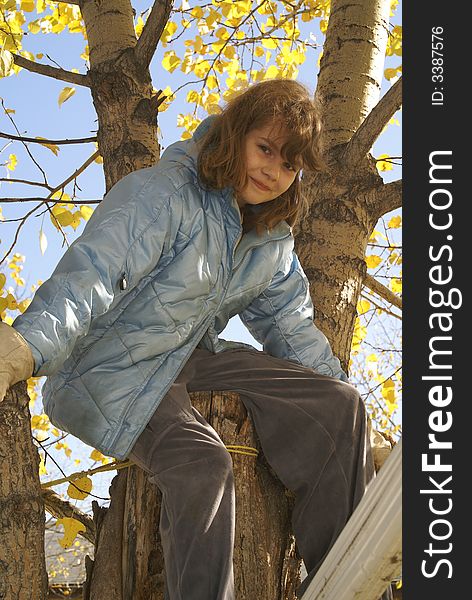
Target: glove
point(16, 359)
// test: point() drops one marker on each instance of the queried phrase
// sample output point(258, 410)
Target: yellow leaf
point(84, 484)
point(3, 280)
point(169, 31)
point(65, 94)
point(212, 82)
point(13, 162)
point(193, 96)
point(395, 222)
point(42, 466)
point(85, 53)
point(375, 234)
point(363, 306)
point(197, 12)
point(27, 5)
point(60, 216)
point(3, 304)
point(360, 331)
point(23, 305)
point(390, 73)
point(98, 456)
point(396, 285)
point(384, 165)
point(222, 33)
point(34, 26)
point(86, 212)
point(389, 395)
point(323, 25)
point(373, 261)
point(71, 530)
point(75, 27)
point(53, 147)
point(269, 43)
point(230, 52)
point(40, 422)
point(201, 68)
point(75, 222)
point(272, 72)
point(6, 62)
point(138, 28)
point(171, 61)
point(11, 302)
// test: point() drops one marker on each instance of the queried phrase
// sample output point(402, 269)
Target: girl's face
point(269, 175)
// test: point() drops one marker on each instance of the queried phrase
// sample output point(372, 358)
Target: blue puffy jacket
point(159, 269)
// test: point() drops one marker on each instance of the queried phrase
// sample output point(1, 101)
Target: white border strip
point(368, 553)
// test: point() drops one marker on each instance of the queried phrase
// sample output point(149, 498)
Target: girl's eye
point(264, 149)
point(289, 167)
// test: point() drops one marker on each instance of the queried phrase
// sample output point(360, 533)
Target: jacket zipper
point(192, 346)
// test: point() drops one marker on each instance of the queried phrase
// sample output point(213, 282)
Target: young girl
point(128, 324)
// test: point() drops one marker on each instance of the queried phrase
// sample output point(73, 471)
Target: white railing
point(368, 553)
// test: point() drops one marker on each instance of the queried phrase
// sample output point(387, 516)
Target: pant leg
point(187, 460)
point(313, 432)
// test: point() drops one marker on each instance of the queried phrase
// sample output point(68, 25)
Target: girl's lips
point(262, 187)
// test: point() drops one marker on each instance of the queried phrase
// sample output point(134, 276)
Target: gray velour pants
point(313, 433)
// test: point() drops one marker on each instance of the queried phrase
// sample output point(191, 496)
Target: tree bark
point(266, 563)
point(332, 241)
point(122, 91)
point(23, 573)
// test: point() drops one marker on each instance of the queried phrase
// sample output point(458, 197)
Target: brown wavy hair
point(221, 159)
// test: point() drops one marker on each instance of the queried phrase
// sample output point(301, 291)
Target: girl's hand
point(16, 359)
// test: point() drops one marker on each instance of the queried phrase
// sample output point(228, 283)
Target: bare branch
point(60, 508)
point(20, 138)
point(386, 197)
point(26, 182)
point(382, 308)
point(152, 31)
point(48, 200)
point(56, 73)
point(78, 171)
point(382, 291)
point(364, 138)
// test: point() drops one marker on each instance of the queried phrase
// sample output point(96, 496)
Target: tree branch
point(60, 508)
point(68, 76)
point(386, 197)
point(26, 182)
point(20, 138)
point(364, 138)
point(382, 291)
point(152, 31)
point(48, 200)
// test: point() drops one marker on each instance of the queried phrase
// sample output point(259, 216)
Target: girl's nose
point(271, 171)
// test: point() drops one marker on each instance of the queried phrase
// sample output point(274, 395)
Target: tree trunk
point(122, 91)
point(266, 563)
point(23, 573)
point(331, 242)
